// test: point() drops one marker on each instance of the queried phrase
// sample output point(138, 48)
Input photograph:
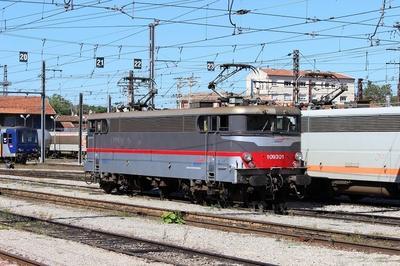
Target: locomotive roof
point(352, 112)
point(258, 109)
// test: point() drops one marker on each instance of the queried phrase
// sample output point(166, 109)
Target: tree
point(376, 93)
point(61, 105)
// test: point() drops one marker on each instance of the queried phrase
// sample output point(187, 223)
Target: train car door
point(3, 138)
point(211, 154)
point(11, 142)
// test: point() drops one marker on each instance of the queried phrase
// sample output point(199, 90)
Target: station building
point(25, 111)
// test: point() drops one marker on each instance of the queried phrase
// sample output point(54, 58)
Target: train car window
point(224, 123)
point(10, 139)
point(5, 139)
point(214, 124)
point(203, 123)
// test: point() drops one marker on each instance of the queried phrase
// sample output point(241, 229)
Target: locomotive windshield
point(28, 137)
point(273, 123)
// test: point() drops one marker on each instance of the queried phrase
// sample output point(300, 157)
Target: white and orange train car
point(353, 151)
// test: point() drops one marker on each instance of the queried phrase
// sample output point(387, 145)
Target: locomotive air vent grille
point(152, 124)
point(189, 123)
point(387, 123)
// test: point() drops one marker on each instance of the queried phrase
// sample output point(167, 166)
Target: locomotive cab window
point(98, 126)
point(272, 123)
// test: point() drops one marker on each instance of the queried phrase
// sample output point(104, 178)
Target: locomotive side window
point(203, 123)
point(260, 122)
point(10, 139)
point(213, 123)
point(270, 123)
point(286, 124)
point(92, 126)
point(98, 126)
point(104, 126)
point(224, 123)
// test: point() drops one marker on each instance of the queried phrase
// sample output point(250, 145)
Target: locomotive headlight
point(298, 156)
point(247, 157)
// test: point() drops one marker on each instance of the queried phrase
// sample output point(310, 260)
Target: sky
point(354, 37)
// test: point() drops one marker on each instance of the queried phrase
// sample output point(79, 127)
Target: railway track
point(337, 239)
point(70, 174)
point(51, 184)
point(337, 215)
point(347, 216)
point(132, 246)
point(18, 260)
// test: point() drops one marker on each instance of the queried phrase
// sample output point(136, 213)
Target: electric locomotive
point(352, 151)
point(18, 144)
point(245, 153)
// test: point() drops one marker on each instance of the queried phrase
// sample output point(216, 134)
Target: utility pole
point(109, 106)
point(131, 93)
point(5, 82)
point(80, 127)
point(152, 90)
point(296, 73)
point(398, 80)
point(43, 114)
point(182, 82)
point(360, 89)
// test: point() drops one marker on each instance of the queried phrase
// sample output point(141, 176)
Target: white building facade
point(277, 85)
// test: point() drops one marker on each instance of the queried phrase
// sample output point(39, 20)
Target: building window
point(273, 83)
point(287, 97)
point(302, 84)
point(287, 83)
point(333, 85)
point(343, 98)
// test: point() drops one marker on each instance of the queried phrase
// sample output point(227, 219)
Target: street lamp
point(54, 121)
point(25, 117)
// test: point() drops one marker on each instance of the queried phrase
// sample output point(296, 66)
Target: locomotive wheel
point(108, 187)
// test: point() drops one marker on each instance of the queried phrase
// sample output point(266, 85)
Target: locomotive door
point(93, 143)
point(211, 154)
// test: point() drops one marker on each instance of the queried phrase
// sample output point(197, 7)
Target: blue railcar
point(18, 144)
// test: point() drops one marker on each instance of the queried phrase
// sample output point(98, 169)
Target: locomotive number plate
point(275, 156)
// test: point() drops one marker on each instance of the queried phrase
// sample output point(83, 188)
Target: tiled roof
point(68, 118)
point(289, 73)
point(24, 105)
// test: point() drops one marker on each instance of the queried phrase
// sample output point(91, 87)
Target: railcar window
point(5, 139)
point(10, 139)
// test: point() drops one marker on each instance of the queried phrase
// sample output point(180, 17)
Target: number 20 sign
point(23, 57)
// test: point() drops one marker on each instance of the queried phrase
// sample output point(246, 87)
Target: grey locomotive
point(243, 153)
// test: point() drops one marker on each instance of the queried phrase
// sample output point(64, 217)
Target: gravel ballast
point(264, 249)
point(321, 223)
